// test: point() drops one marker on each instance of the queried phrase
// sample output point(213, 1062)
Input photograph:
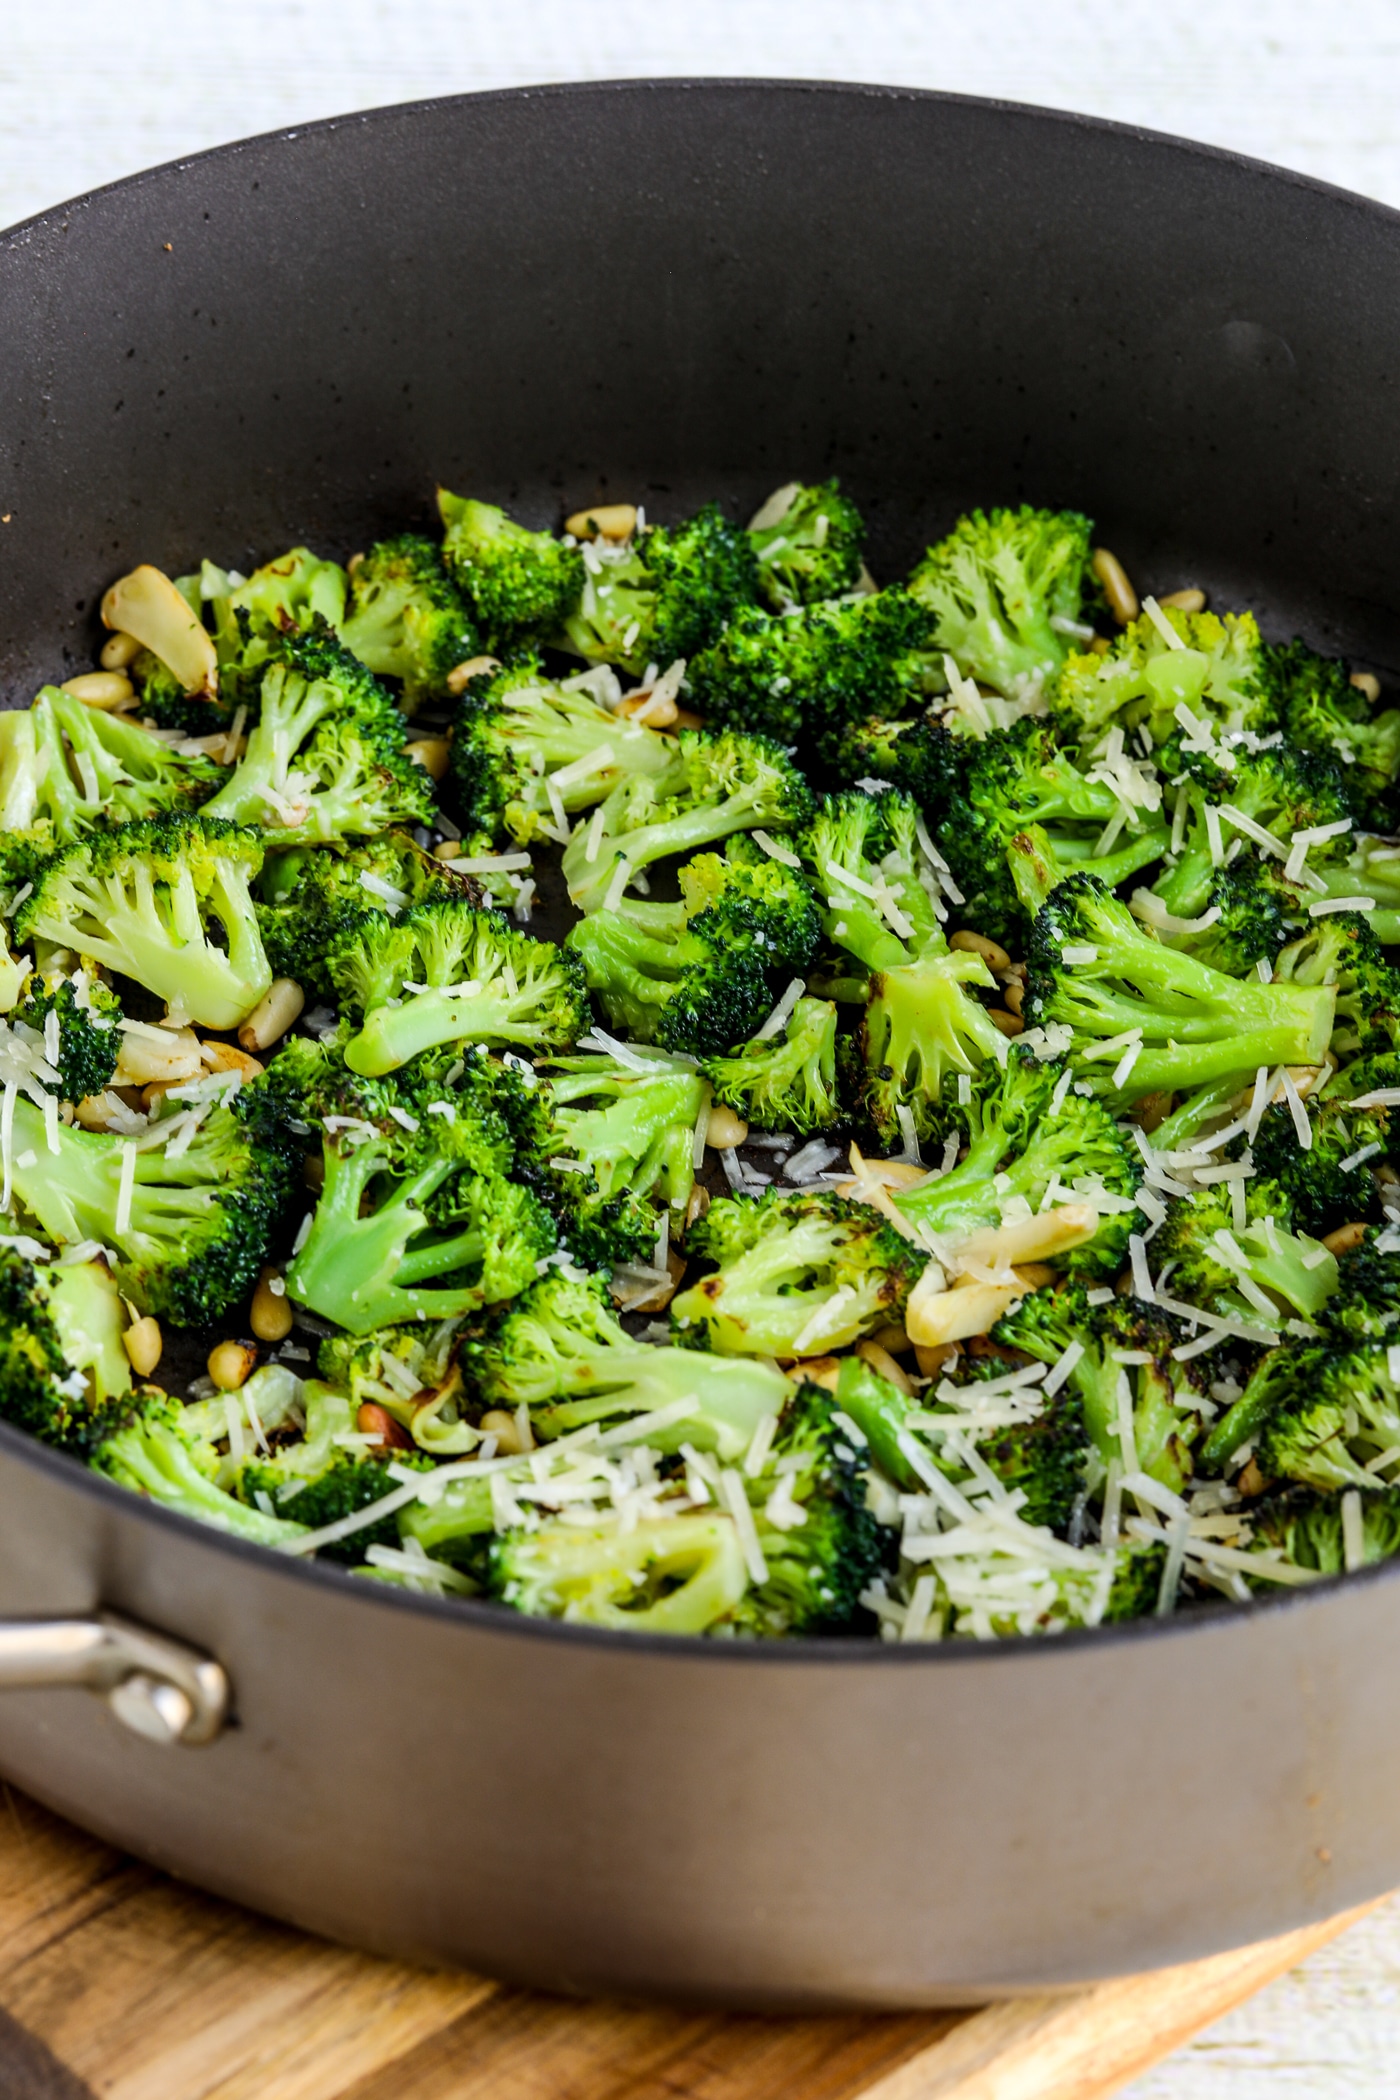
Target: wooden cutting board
point(116, 1981)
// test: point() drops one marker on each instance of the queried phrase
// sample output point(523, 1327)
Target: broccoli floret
point(325, 758)
point(1323, 711)
point(1329, 1183)
point(517, 730)
point(867, 863)
point(67, 769)
point(672, 1575)
point(787, 1081)
point(418, 1216)
point(64, 1374)
point(1146, 1019)
point(1218, 673)
point(1161, 1392)
point(296, 592)
point(820, 1544)
point(311, 900)
point(805, 676)
point(559, 1351)
point(1006, 590)
point(316, 1481)
point(1243, 921)
point(1369, 874)
point(701, 974)
point(797, 1274)
point(1280, 790)
point(356, 1364)
point(633, 1134)
point(1340, 949)
point(1244, 1272)
point(186, 1234)
point(157, 1452)
point(920, 1027)
point(1306, 1528)
point(166, 902)
point(808, 540)
point(406, 618)
point(1317, 1415)
point(449, 973)
point(1137, 1583)
point(664, 595)
point(714, 786)
point(74, 1020)
point(1018, 780)
point(1025, 1143)
point(1366, 1303)
point(516, 582)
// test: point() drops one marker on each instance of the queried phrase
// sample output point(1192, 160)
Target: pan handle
point(155, 1686)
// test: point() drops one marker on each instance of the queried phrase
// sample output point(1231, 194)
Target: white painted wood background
point(90, 90)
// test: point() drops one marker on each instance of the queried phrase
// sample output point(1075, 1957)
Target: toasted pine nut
point(660, 1298)
point(448, 849)
point(313, 1172)
point(1034, 1274)
point(652, 710)
point(101, 689)
point(1151, 1110)
point(226, 1057)
point(993, 955)
point(1344, 1239)
point(462, 675)
point(1013, 994)
point(1009, 1024)
point(353, 563)
point(176, 1056)
point(816, 1370)
point(1100, 645)
point(1123, 1288)
point(884, 1365)
point(1122, 598)
point(373, 1420)
point(698, 1205)
point(1367, 682)
point(429, 752)
point(270, 1315)
point(230, 1364)
point(725, 1129)
point(142, 1342)
point(1251, 1481)
point(932, 1360)
point(609, 521)
point(118, 651)
point(894, 1338)
point(505, 1429)
point(1188, 601)
point(273, 1015)
point(95, 1112)
point(686, 718)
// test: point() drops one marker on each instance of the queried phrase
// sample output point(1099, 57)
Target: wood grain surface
point(116, 1981)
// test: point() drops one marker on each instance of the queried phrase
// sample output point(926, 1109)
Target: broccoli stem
point(358, 1271)
point(428, 1020)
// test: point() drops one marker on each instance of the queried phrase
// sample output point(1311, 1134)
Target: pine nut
point(95, 1112)
point(448, 849)
point(932, 1360)
point(1188, 601)
point(273, 1015)
point(373, 1420)
point(884, 1365)
point(1014, 993)
point(1122, 598)
point(1344, 1239)
point(817, 1370)
point(1033, 1274)
point(1367, 682)
point(142, 1342)
point(652, 710)
point(230, 1363)
point(505, 1429)
point(270, 1315)
point(429, 752)
point(698, 1205)
point(100, 689)
point(1152, 1110)
point(313, 1172)
point(609, 521)
point(725, 1129)
point(227, 1057)
point(687, 719)
point(894, 1338)
point(995, 957)
point(353, 563)
point(660, 1298)
point(461, 677)
point(118, 651)
point(1009, 1024)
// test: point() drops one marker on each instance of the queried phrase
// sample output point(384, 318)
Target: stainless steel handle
point(158, 1687)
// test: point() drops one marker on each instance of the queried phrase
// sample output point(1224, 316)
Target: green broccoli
point(447, 972)
point(1216, 671)
point(797, 1274)
point(1244, 1271)
point(805, 676)
point(1142, 1018)
point(312, 900)
point(325, 757)
point(1029, 1141)
point(1306, 1528)
point(808, 540)
point(1330, 1182)
point(516, 583)
point(1278, 790)
point(819, 1543)
point(418, 1216)
point(922, 754)
point(166, 902)
point(681, 1574)
point(156, 1451)
point(524, 742)
point(185, 1223)
point(1366, 1303)
point(317, 1480)
point(250, 616)
point(1323, 1414)
point(664, 596)
point(1323, 711)
point(1006, 590)
point(1341, 950)
point(64, 1374)
point(714, 786)
point(67, 770)
point(406, 618)
point(621, 1145)
point(786, 1081)
point(74, 1019)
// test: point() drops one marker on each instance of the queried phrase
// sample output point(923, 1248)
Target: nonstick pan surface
point(675, 292)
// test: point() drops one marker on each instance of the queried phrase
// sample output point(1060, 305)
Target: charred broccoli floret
point(64, 1374)
point(785, 1081)
point(313, 900)
point(1307, 1528)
